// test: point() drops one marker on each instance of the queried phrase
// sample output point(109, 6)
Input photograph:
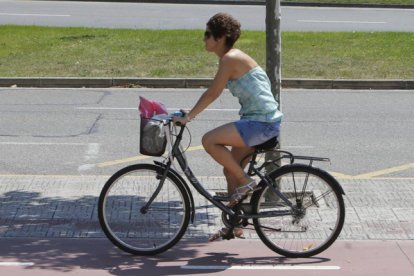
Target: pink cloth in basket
point(149, 108)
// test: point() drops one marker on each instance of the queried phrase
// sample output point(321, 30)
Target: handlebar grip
point(177, 114)
point(181, 114)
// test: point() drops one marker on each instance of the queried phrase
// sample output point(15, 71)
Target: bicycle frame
point(277, 209)
point(175, 153)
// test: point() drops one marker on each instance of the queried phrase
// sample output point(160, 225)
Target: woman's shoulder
point(236, 57)
point(235, 54)
point(239, 62)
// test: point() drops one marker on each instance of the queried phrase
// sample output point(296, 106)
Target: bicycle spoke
point(141, 216)
point(304, 231)
point(316, 200)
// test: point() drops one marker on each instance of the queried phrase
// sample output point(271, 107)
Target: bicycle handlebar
point(181, 114)
point(168, 118)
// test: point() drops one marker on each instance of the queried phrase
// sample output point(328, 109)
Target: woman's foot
point(241, 192)
point(223, 232)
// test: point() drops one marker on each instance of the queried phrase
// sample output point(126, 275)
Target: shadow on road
point(66, 255)
point(61, 234)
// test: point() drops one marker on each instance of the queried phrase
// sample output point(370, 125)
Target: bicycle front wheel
point(308, 219)
point(131, 227)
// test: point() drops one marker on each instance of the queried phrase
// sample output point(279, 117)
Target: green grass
point(84, 52)
point(349, 55)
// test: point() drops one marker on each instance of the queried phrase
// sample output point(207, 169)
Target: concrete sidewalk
point(43, 206)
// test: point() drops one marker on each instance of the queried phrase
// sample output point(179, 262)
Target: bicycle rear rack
point(282, 154)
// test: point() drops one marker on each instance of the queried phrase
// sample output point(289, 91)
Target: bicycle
point(297, 211)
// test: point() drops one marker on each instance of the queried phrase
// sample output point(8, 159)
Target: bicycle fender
point(186, 188)
point(321, 171)
point(333, 179)
point(337, 183)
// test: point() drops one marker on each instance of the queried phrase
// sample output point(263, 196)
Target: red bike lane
point(195, 257)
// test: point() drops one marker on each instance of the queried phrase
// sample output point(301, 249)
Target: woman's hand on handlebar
point(180, 118)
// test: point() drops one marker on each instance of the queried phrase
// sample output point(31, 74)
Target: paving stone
point(408, 227)
point(66, 207)
point(383, 230)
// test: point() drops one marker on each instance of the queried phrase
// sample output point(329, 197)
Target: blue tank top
point(255, 97)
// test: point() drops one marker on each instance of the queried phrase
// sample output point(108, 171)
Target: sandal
point(224, 234)
point(241, 193)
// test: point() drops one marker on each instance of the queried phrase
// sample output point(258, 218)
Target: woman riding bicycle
point(259, 115)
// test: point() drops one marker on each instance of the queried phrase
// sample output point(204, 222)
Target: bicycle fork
point(161, 175)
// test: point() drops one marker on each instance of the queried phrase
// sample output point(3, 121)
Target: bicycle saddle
point(269, 144)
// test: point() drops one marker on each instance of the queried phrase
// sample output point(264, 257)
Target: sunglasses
point(207, 34)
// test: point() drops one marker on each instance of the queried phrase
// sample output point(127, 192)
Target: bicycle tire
point(312, 229)
point(135, 232)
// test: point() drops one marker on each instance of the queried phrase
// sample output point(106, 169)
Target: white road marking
point(92, 151)
point(210, 109)
point(135, 108)
point(86, 167)
point(90, 154)
point(106, 108)
point(36, 14)
point(339, 21)
point(259, 267)
point(16, 264)
point(41, 144)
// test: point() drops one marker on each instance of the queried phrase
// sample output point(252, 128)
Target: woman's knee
point(207, 141)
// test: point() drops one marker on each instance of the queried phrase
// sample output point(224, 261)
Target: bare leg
point(239, 154)
point(215, 142)
point(233, 161)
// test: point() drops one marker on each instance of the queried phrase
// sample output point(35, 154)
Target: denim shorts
point(254, 133)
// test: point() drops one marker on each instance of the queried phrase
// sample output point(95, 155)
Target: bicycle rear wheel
point(314, 220)
point(133, 229)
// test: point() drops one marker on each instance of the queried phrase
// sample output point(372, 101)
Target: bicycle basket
point(152, 138)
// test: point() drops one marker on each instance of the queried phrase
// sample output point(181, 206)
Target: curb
point(56, 82)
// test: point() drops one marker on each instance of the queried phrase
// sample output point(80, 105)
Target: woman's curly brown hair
point(223, 24)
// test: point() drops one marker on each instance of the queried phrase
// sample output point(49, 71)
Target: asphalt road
point(96, 131)
point(58, 146)
point(191, 16)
